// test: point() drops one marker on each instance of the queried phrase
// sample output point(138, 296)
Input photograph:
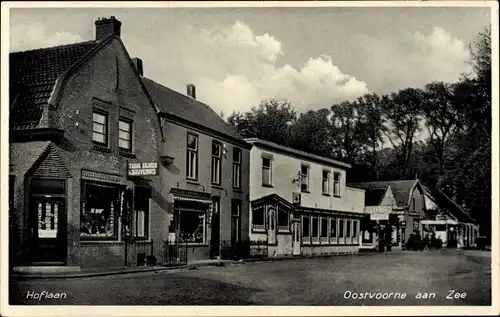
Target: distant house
point(399, 204)
point(300, 203)
point(450, 222)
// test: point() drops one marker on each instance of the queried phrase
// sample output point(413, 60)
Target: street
point(402, 278)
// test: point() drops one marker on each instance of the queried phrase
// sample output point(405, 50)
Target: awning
point(190, 199)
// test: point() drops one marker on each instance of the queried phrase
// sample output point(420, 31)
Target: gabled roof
point(373, 197)
point(173, 103)
point(401, 189)
point(273, 198)
point(447, 204)
point(33, 75)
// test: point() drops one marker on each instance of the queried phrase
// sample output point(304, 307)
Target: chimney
point(105, 27)
point(191, 91)
point(138, 65)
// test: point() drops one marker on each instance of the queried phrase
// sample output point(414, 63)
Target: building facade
point(206, 174)
point(394, 209)
point(96, 162)
point(300, 204)
point(450, 222)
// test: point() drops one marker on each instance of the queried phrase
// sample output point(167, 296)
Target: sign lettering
point(142, 169)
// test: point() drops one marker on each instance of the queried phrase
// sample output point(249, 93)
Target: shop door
point(48, 230)
point(271, 230)
point(296, 238)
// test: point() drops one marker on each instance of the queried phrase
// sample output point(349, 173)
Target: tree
point(271, 121)
point(348, 130)
point(402, 112)
point(370, 105)
point(442, 114)
point(312, 133)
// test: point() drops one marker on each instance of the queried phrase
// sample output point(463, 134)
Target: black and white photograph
point(270, 158)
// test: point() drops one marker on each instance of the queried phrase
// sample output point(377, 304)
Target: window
point(192, 157)
point(267, 179)
point(336, 184)
point(324, 227)
point(341, 228)
point(333, 227)
point(99, 213)
point(354, 229)
point(305, 226)
point(348, 228)
point(125, 135)
point(235, 221)
point(304, 178)
point(141, 211)
point(191, 223)
point(326, 182)
point(216, 163)
point(236, 168)
point(100, 128)
point(258, 219)
point(315, 227)
point(283, 219)
point(413, 204)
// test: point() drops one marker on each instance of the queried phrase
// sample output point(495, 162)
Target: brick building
point(81, 116)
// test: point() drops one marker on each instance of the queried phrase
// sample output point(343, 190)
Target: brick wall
point(108, 78)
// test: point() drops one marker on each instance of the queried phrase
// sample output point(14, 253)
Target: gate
point(155, 252)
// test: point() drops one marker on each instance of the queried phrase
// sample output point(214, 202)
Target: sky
point(312, 57)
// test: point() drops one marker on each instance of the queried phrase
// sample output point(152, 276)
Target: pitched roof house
point(81, 116)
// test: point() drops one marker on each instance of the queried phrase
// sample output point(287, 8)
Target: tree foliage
point(378, 134)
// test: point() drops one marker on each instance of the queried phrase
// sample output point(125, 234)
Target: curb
point(79, 275)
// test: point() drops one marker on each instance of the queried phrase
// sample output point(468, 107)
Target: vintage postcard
point(249, 158)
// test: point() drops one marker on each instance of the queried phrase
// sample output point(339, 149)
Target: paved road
point(320, 281)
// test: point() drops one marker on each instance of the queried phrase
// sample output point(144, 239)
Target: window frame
point(315, 236)
point(308, 218)
point(237, 165)
point(236, 204)
point(259, 226)
point(302, 175)
point(192, 175)
point(285, 215)
point(333, 227)
point(147, 213)
point(106, 127)
point(268, 170)
point(325, 181)
point(116, 209)
point(337, 192)
point(130, 140)
point(325, 228)
point(216, 158)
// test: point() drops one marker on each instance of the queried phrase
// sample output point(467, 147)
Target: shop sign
point(379, 216)
point(98, 176)
point(142, 169)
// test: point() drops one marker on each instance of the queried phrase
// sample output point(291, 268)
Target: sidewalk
point(104, 271)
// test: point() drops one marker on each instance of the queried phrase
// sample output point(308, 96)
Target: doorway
point(296, 238)
point(47, 221)
point(271, 230)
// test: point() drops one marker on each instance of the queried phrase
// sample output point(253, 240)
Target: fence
point(155, 252)
point(242, 250)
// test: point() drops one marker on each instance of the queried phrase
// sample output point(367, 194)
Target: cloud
point(35, 35)
point(235, 69)
point(410, 60)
